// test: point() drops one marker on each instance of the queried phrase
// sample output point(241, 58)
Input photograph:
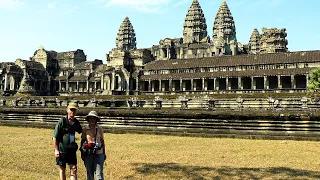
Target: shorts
point(70, 158)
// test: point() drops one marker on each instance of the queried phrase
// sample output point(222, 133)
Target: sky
point(92, 25)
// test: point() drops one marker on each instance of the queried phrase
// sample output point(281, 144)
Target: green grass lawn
point(27, 153)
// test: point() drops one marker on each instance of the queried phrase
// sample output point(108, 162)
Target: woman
point(93, 147)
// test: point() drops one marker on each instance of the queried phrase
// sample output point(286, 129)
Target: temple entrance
point(273, 82)
point(247, 84)
point(301, 81)
point(259, 82)
point(286, 82)
point(233, 83)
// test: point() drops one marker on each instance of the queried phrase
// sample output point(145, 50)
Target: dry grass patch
point(27, 153)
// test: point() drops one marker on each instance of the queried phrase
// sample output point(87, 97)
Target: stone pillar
point(307, 80)
point(152, 86)
point(67, 85)
point(112, 81)
point(279, 82)
point(60, 88)
point(181, 85)
point(215, 84)
point(168, 53)
point(160, 85)
point(192, 85)
point(174, 86)
point(227, 84)
point(204, 87)
point(170, 85)
point(184, 86)
point(293, 83)
point(265, 82)
point(149, 85)
point(137, 84)
point(253, 83)
point(95, 86)
point(87, 85)
point(240, 84)
point(77, 86)
point(102, 83)
point(5, 81)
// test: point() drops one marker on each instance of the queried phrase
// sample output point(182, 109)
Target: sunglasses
point(73, 109)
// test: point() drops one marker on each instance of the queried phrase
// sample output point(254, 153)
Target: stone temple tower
point(254, 42)
point(126, 37)
point(224, 31)
point(195, 27)
point(273, 40)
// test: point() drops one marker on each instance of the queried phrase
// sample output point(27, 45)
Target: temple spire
point(195, 27)
point(254, 42)
point(126, 37)
point(224, 30)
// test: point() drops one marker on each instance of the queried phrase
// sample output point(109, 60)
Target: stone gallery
point(194, 64)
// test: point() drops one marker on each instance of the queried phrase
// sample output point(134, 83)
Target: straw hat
point(93, 114)
point(72, 106)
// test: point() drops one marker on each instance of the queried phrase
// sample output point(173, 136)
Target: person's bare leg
point(62, 172)
point(73, 172)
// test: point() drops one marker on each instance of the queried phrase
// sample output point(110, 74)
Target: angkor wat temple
point(196, 63)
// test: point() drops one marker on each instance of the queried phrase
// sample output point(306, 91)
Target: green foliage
point(314, 83)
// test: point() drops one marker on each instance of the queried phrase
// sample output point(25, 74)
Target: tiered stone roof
point(254, 42)
point(241, 60)
point(126, 37)
point(224, 27)
point(195, 27)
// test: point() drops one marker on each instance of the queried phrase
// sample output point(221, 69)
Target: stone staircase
point(297, 129)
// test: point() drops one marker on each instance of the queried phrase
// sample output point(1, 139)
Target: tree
point(314, 83)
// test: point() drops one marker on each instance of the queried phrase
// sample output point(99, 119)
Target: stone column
point(77, 86)
point(168, 53)
point(149, 85)
point(192, 85)
point(253, 83)
point(152, 86)
point(67, 85)
point(279, 82)
point(160, 85)
point(307, 80)
point(95, 86)
point(170, 85)
point(102, 83)
point(112, 81)
point(181, 85)
point(204, 88)
point(293, 83)
point(174, 86)
point(227, 84)
point(5, 81)
point(87, 85)
point(215, 84)
point(265, 82)
point(60, 88)
point(137, 84)
point(240, 84)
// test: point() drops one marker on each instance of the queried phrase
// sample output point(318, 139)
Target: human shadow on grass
point(177, 171)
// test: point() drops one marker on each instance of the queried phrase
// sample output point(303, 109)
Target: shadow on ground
point(177, 171)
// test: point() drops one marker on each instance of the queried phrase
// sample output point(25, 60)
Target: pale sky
point(92, 25)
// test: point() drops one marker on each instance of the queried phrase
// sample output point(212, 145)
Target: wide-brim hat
point(93, 114)
point(72, 106)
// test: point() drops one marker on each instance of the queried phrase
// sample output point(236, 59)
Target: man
point(65, 147)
